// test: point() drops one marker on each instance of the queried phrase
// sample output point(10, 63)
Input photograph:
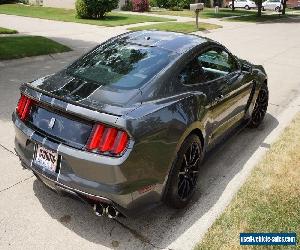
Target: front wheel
point(260, 108)
point(247, 7)
point(277, 9)
point(184, 173)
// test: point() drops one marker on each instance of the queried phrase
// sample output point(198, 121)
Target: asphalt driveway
point(34, 217)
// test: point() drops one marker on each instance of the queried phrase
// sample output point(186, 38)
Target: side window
point(208, 66)
point(217, 63)
point(192, 73)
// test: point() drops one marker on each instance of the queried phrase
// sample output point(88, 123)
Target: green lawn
point(7, 31)
point(206, 13)
point(24, 46)
point(268, 201)
point(112, 19)
point(186, 27)
point(255, 19)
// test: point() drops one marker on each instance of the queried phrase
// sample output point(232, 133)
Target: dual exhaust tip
point(110, 211)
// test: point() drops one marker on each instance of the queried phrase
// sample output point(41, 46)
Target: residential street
point(32, 216)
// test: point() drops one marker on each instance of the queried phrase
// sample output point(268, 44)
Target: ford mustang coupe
point(125, 127)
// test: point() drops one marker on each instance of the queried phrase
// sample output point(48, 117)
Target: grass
point(256, 19)
point(268, 201)
point(206, 13)
point(7, 31)
point(186, 27)
point(66, 15)
point(24, 46)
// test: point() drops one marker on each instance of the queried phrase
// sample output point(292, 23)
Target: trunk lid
point(103, 98)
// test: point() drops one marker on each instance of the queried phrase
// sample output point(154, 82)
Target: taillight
point(105, 139)
point(23, 107)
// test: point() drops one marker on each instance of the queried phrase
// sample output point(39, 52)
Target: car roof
point(173, 41)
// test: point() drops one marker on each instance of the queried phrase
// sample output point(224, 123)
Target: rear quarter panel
point(159, 128)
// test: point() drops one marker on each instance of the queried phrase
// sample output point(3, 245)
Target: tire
point(277, 9)
point(262, 8)
point(260, 108)
point(183, 176)
point(247, 7)
point(229, 6)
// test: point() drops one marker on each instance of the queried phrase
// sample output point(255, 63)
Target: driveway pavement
point(34, 217)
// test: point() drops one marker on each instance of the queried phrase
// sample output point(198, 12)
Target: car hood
point(106, 99)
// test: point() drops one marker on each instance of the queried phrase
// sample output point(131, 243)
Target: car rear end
point(73, 128)
point(73, 150)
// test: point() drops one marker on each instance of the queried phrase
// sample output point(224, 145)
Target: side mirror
point(246, 68)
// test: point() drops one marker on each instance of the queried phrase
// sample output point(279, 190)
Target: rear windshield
point(121, 64)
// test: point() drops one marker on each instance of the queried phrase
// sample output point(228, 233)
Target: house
point(67, 4)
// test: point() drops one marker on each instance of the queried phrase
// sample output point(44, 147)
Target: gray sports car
point(125, 127)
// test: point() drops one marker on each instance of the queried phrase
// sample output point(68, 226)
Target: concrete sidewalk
point(82, 37)
point(34, 217)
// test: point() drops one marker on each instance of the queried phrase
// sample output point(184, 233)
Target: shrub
point(186, 3)
point(140, 5)
point(24, 1)
point(176, 8)
point(5, 1)
point(174, 4)
point(95, 9)
point(163, 3)
point(127, 6)
point(153, 3)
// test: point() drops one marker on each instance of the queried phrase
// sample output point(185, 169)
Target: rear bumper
point(86, 175)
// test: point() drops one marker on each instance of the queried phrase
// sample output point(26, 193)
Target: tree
point(283, 7)
point(232, 5)
point(259, 7)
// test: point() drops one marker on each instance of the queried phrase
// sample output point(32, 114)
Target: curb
point(195, 233)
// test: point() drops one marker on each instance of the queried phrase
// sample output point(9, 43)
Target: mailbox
point(196, 6)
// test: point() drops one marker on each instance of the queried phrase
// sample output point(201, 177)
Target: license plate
point(46, 158)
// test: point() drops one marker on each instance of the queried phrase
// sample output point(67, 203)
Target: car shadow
point(159, 227)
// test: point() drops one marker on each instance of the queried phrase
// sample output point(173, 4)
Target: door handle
point(219, 98)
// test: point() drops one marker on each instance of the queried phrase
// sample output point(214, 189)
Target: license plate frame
point(46, 158)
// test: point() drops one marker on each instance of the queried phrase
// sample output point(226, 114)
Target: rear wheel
point(184, 174)
point(260, 108)
point(229, 6)
point(247, 7)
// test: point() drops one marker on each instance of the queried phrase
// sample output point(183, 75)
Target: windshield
point(121, 64)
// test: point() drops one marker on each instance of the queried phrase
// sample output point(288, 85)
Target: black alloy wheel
point(184, 174)
point(260, 108)
point(188, 175)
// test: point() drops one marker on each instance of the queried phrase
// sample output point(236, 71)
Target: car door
point(229, 89)
point(242, 3)
point(274, 4)
point(270, 5)
point(216, 73)
point(237, 4)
